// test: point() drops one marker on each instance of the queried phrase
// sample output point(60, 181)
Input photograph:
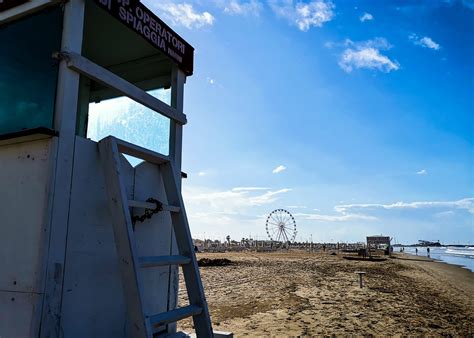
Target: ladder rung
point(139, 152)
point(153, 261)
point(148, 205)
point(175, 315)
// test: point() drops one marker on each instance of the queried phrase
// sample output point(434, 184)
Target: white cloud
point(202, 173)
point(335, 218)
point(184, 15)
point(268, 197)
point(352, 212)
point(279, 169)
point(464, 204)
point(238, 7)
point(378, 43)
point(444, 214)
point(422, 172)
point(366, 58)
point(329, 44)
point(231, 201)
point(366, 17)
point(304, 15)
point(468, 3)
point(296, 207)
point(366, 54)
point(230, 210)
point(249, 189)
point(214, 83)
point(425, 42)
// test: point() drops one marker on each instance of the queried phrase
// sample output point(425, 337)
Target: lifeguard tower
point(90, 244)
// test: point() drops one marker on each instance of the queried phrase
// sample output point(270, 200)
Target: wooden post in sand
point(361, 274)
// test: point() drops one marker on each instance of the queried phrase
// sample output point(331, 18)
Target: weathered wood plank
point(145, 154)
point(97, 73)
point(123, 233)
point(65, 122)
point(154, 261)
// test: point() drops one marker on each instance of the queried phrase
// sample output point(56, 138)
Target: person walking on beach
point(428, 251)
point(416, 251)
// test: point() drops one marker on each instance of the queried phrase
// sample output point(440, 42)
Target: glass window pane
point(28, 73)
point(132, 122)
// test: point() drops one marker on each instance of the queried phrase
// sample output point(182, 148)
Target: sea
point(462, 256)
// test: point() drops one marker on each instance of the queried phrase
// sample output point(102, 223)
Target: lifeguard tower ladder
point(89, 244)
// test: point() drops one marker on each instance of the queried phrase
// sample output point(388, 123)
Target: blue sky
point(356, 116)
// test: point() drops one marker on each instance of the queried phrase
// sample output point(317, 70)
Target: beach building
point(379, 243)
point(90, 245)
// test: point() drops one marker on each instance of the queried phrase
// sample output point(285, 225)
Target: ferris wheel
point(281, 226)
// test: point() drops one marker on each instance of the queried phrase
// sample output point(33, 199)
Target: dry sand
point(306, 294)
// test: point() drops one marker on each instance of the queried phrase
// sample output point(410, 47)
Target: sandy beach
point(306, 294)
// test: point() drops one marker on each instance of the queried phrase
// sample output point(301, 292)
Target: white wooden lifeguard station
point(90, 245)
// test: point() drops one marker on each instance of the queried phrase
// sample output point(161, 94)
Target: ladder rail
point(121, 222)
point(110, 149)
point(184, 241)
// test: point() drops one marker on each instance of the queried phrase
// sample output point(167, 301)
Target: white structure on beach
point(378, 242)
point(90, 245)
